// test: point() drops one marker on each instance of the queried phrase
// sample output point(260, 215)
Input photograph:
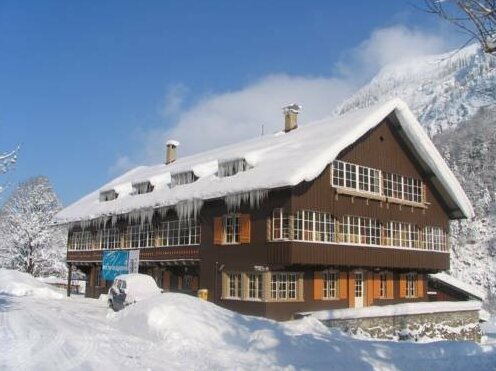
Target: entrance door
point(358, 289)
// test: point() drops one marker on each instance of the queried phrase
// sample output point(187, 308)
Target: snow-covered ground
point(174, 331)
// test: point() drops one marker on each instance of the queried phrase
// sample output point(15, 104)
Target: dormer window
point(232, 167)
point(108, 195)
point(142, 188)
point(185, 177)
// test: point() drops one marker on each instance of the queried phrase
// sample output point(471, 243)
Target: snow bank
point(16, 283)
point(452, 281)
point(397, 310)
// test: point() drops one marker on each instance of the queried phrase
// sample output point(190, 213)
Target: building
point(349, 211)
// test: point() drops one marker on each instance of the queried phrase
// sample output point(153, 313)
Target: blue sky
point(90, 89)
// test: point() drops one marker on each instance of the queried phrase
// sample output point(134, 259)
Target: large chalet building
point(349, 211)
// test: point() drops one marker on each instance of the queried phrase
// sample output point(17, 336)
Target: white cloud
point(225, 118)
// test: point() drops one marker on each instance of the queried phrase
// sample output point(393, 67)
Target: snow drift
point(16, 283)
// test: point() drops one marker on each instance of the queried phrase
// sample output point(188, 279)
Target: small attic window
point(142, 188)
point(185, 177)
point(232, 167)
point(108, 195)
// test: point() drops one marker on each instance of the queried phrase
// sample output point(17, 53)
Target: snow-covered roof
point(458, 285)
point(275, 161)
point(396, 310)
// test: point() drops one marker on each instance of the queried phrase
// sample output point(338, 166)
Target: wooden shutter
point(402, 285)
point(351, 290)
point(420, 285)
point(269, 229)
point(166, 280)
point(343, 285)
point(244, 228)
point(377, 286)
point(194, 283)
point(370, 289)
point(389, 285)
point(218, 231)
point(318, 285)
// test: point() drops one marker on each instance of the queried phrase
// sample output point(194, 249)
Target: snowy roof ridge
point(277, 161)
point(456, 283)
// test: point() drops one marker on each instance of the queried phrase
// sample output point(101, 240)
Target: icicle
point(189, 209)
point(232, 167)
point(182, 178)
point(162, 211)
point(254, 198)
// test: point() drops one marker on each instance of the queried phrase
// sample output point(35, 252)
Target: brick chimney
point(291, 116)
point(171, 151)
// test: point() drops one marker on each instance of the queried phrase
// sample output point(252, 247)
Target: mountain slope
point(454, 97)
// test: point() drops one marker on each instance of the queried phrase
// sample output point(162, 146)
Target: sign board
point(115, 262)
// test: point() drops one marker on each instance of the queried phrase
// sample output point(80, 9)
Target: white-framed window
point(142, 188)
point(231, 228)
point(179, 233)
point(313, 226)
point(330, 279)
point(284, 286)
point(280, 225)
point(383, 285)
point(361, 230)
point(401, 235)
point(255, 286)
point(109, 238)
point(356, 177)
point(232, 167)
point(108, 195)
point(140, 236)
point(411, 285)
point(181, 178)
point(234, 285)
point(435, 239)
point(82, 240)
point(402, 188)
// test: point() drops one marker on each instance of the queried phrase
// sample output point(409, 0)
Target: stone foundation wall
point(450, 326)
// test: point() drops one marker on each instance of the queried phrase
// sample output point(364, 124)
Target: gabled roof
point(456, 284)
point(275, 161)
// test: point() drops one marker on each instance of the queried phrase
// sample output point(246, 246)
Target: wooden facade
point(255, 253)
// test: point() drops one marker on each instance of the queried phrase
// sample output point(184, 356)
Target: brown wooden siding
point(148, 254)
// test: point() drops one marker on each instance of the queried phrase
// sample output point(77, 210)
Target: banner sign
point(115, 262)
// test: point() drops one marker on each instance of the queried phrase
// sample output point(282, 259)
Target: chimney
point(291, 116)
point(171, 151)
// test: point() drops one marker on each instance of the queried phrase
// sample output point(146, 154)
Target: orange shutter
point(370, 289)
point(389, 285)
point(194, 283)
point(343, 285)
point(377, 286)
point(244, 229)
point(351, 290)
point(420, 285)
point(402, 285)
point(269, 229)
point(318, 285)
point(166, 278)
point(218, 231)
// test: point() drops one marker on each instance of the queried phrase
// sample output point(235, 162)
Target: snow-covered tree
point(7, 161)
point(30, 242)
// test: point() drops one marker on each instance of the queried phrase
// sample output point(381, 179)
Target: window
point(355, 177)
point(142, 187)
point(109, 238)
point(435, 239)
point(402, 188)
point(179, 233)
point(383, 285)
point(360, 230)
point(185, 177)
point(255, 286)
point(232, 167)
point(140, 236)
point(80, 241)
point(280, 225)
point(284, 286)
point(330, 279)
point(231, 228)
point(313, 226)
point(108, 195)
point(401, 235)
point(411, 285)
point(234, 285)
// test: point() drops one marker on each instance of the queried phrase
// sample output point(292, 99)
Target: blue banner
point(114, 262)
